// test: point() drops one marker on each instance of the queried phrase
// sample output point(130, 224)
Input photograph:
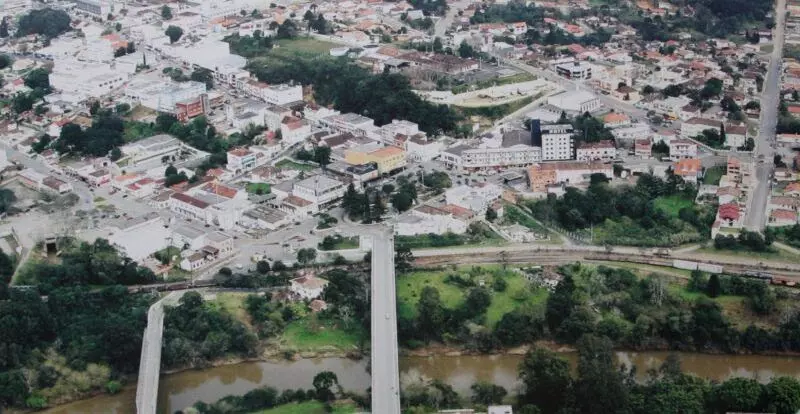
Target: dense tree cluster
point(99, 140)
point(85, 264)
point(196, 333)
point(746, 240)
point(601, 387)
point(630, 212)
point(47, 22)
point(84, 326)
point(351, 88)
point(249, 46)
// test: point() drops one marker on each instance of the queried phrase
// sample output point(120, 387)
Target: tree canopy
point(47, 22)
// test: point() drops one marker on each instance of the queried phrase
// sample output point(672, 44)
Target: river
point(180, 390)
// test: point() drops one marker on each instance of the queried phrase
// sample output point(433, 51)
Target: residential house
point(680, 149)
point(308, 287)
point(690, 169)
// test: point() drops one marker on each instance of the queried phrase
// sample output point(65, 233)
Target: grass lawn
point(135, 130)
point(307, 335)
point(517, 293)
point(302, 44)
point(345, 243)
point(291, 165)
point(309, 407)
point(517, 215)
point(644, 269)
point(772, 254)
point(713, 175)
point(254, 187)
point(233, 303)
point(672, 204)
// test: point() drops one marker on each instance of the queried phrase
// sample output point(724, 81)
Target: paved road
point(765, 142)
point(150, 362)
point(385, 370)
point(445, 22)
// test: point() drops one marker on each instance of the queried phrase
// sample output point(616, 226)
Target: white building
point(79, 81)
point(574, 102)
point(556, 141)
point(512, 149)
point(294, 130)
point(596, 151)
point(680, 149)
point(427, 220)
point(242, 160)
point(162, 95)
point(628, 135)
point(575, 70)
point(150, 148)
point(423, 149)
point(319, 189)
point(96, 8)
point(477, 197)
point(308, 287)
point(353, 123)
point(140, 238)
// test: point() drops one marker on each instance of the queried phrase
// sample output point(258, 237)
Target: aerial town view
point(400, 206)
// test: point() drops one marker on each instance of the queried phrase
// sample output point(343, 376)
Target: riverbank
point(180, 390)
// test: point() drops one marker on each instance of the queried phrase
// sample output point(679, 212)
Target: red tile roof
point(729, 211)
point(185, 198)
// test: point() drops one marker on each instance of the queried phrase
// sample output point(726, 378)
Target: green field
point(302, 45)
point(672, 204)
point(517, 293)
point(308, 334)
point(253, 188)
point(309, 407)
point(516, 215)
point(291, 165)
point(713, 175)
point(343, 243)
point(772, 254)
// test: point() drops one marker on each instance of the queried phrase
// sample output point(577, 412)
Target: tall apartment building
point(555, 140)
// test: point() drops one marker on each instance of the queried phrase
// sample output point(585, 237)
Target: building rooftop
point(185, 198)
point(319, 183)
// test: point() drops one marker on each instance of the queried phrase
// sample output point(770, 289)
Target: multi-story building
point(319, 189)
point(680, 149)
point(191, 207)
point(272, 94)
point(575, 70)
point(166, 96)
point(511, 149)
point(388, 159)
point(241, 160)
point(596, 151)
point(555, 140)
point(97, 8)
point(353, 123)
point(83, 80)
point(735, 135)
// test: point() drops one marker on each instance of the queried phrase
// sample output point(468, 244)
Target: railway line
point(779, 274)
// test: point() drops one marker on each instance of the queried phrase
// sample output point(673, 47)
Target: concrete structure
point(387, 159)
point(150, 148)
point(511, 149)
point(575, 70)
point(695, 126)
point(385, 368)
point(428, 219)
point(574, 102)
point(556, 142)
point(319, 189)
point(680, 149)
point(150, 360)
point(596, 151)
